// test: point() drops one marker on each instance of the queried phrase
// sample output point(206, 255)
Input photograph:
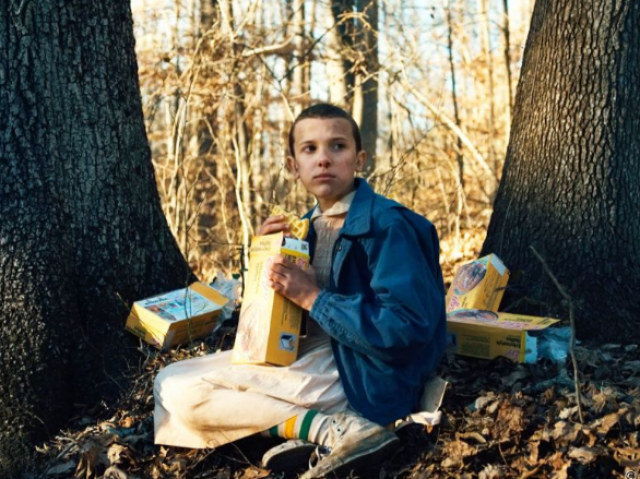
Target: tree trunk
point(367, 81)
point(485, 36)
point(336, 75)
point(459, 174)
point(299, 64)
point(506, 31)
point(82, 232)
point(343, 14)
point(572, 173)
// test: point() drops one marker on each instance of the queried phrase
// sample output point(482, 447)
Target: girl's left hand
point(293, 282)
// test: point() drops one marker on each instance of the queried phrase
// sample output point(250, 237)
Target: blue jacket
point(384, 308)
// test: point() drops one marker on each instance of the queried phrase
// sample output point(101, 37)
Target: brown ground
point(503, 420)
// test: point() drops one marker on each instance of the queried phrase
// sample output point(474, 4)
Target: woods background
point(83, 233)
point(431, 84)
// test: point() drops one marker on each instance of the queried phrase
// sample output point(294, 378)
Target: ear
point(293, 167)
point(361, 158)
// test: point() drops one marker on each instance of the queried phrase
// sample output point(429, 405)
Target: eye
point(308, 149)
point(339, 146)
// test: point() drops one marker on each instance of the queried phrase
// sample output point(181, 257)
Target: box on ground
point(487, 334)
point(169, 319)
point(269, 326)
point(478, 284)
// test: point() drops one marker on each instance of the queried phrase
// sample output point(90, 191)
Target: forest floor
point(501, 420)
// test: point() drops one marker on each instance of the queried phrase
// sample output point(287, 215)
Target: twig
point(504, 459)
point(572, 341)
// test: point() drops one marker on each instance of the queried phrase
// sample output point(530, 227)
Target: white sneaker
point(288, 456)
point(355, 443)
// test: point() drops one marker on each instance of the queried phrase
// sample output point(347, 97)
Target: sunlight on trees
point(221, 82)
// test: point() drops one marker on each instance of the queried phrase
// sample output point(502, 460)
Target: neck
point(327, 203)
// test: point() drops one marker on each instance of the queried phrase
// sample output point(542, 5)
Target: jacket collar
point(358, 220)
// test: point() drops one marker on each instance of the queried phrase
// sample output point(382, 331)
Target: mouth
point(323, 177)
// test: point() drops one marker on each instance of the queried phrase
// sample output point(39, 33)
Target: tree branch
point(572, 341)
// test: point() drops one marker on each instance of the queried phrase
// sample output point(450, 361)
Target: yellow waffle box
point(173, 318)
point(269, 326)
point(487, 334)
point(478, 284)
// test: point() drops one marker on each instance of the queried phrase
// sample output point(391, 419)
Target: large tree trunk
point(365, 107)
point(82, 234)
point(572, 175)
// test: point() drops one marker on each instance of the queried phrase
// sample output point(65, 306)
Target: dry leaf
point(116, 453)
point(114, 473)
point(514, 377)
point(632, 366)
point(534, 448)
point(127, 422)
point(584, 455)
point(253, 473)
point(61, 469)
point(562, 473)
point(491, 472)
point(565, 432)
point(560, 466)
point(455, 451)
point(599, 401)
point(472, 435)
point(627, 457)
point(605, 424)
point(548, 395)
point(509, 423)
point(93, 453)
point(484, 401)
point(631, 418)
point(567, 412)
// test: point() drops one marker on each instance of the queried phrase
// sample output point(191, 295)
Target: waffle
point(298, 227)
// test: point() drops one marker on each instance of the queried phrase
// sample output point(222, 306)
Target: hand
point(274, 224)
point(293, 282)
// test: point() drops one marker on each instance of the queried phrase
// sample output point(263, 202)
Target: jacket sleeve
point(395, 320)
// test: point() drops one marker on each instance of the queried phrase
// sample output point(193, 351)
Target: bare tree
point(365, 104)
point(572, 175)
point(82, 233)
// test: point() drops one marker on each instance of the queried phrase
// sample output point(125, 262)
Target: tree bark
point(572, 173)
point(336, 75)
point(367, 81)
point(82, 234)
point(506, 31)
point(343, 14)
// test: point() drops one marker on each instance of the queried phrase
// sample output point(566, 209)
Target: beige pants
point(207, 402)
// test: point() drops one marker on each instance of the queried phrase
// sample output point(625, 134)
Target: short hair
point(325, 111)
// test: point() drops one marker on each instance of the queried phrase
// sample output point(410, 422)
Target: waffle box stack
point(269, 326)
point(487, 334)
point(173, 318)
point(478, 284)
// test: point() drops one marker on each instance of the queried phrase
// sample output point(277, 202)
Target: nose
point(324, 158)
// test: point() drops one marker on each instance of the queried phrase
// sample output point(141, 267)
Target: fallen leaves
point(502, 420)
point(455, 452)
point(509, 423)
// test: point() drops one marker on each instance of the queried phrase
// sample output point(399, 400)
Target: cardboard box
point(478, 284)
point(487, 334)
point(269, 326)
point(169, 319)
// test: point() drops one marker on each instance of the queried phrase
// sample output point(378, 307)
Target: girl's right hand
point(274, 224)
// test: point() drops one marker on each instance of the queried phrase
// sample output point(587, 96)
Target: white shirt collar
point(340, 207)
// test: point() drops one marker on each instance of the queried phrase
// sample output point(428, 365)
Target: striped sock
point(303, 426)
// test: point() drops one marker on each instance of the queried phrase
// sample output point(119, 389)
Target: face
point(325, 158)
